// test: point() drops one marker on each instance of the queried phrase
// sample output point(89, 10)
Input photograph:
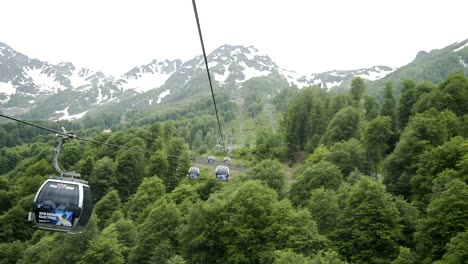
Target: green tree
point(129, 172)
point(407, 100)
point(324, 208)
point(337, 102)
point(369, 229)
point(409, 217)
point(344, 126)
point(294, 229)
point(105, 248)
point(178, 161)
point(184, 196)
point(348, 156)
point(327, 257)
point(201, 238)
point(424, 132)
point(58, 247)
point(126, 232)
point(70, 154)
point(157, 165)
point(106, 207)
point(102, 178)
point(357, 90)
point(118, 138)
point(371, 107)
point(305, 117)
point(456, 86)
point(176, 259)
point(389, 104)
point(150, 190)
point(250, 207)
point(446, 216)
point(267, 145)
point(11, 252)
point(376, 138)
point(456, 250)
point(404, 257)
point(289, 256)
point(435, 162)
point(435, 99)
point(85, 167)
point(14, 222)
point(161, 225)
point(271, 173)
point(323, 174)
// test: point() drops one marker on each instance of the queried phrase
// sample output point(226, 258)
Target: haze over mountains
point(37, 89)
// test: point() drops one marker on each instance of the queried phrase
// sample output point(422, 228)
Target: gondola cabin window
point(57, 204)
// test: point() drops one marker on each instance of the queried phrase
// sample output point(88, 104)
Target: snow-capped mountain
point(237, 64)
point(38, 89)
point(25, 82)
point(149, 76)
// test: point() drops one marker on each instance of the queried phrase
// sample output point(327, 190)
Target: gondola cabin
point(227, 161)
point(222, 173)
point(211, 159)
point(62, 205)
point(193, 173)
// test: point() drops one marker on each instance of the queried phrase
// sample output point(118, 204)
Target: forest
point(347, 178)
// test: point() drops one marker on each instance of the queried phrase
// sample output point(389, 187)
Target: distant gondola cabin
point(222, 173)
point(211, 159)
point(193, 173)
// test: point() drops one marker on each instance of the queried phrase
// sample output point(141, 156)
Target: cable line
point(71, 136)
point(34, 125)
point(208, 70)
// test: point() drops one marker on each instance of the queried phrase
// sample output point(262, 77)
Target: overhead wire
point(120, 146)
point(207, 70)
point(71, 135)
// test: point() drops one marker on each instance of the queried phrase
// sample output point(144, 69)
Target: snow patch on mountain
point(78, 79)
point(7, 88)
point(100, 97)
point(294, 78)
point(461, 47)
point(462, 62)
point(221, 78)
point(46, 82)
point(162, 95)
point(376, 73)
point(146, 82)
point(67, 116)
point(251, 72)
point(333, 84)
point(150, 76)
point(253, 52)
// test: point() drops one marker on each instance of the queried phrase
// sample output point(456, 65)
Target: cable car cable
point(72, 136)
point(207, 70)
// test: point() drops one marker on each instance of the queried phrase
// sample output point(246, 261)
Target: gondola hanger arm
point(57, 150)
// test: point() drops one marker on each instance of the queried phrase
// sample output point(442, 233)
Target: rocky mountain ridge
point(38, 89)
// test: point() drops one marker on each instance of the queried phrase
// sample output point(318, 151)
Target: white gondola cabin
point(222, 173)
point(193, 173)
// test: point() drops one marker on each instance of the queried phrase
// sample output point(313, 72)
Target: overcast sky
point(307, 36)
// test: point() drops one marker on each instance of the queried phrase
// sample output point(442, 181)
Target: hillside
point(433, 66)
point(334, 181)
point(36, 89)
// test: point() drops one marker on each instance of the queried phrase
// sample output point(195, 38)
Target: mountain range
point(35, 89)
